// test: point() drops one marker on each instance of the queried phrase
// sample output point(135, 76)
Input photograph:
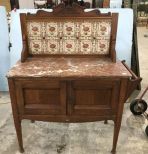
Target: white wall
point(15, 38)
point(4, 51)
point(26, 4)
point(115, 3)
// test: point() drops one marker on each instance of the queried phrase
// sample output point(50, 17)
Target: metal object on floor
point(139, 106)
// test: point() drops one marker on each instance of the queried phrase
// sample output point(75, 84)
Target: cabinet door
point(41, 97)
point(97, 97)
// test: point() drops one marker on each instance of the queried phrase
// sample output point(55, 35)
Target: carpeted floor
point(84, 138)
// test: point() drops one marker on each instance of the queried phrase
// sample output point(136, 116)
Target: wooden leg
point(118, 119)
point(19, 134)
point(105, 122)
point(32, 121)
point(17, 121)
point(117, 125)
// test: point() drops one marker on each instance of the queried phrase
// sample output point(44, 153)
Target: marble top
point(69, 67)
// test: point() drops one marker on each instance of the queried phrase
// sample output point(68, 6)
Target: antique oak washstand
point(68, 70)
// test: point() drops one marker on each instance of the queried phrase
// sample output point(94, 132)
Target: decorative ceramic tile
point(86, 46)
point(103, 29)
point(69, 36)
point(69, 29)
point(53, 47)
point(102, 46)
point(52, 29)
point(36, 46)
point(86, 29)
point(35, 29)
point(68, 46)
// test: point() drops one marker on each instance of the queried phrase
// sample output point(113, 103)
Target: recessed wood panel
point(93, 97)
point(42, 96)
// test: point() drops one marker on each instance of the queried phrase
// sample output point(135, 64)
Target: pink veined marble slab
point(69, 67)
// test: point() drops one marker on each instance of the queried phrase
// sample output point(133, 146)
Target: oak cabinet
point(55, 97)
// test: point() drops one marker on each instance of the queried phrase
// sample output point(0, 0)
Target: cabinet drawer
point(95, 97)
point(41, 97)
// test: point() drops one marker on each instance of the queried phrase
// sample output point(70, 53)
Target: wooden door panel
point(96, 97)
point(41, 97)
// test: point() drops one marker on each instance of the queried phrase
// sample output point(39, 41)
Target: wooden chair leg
point(117, 125)
point(18, 128)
